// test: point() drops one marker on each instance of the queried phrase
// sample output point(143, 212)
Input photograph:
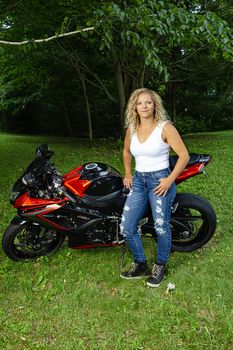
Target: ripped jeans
point(142, 194)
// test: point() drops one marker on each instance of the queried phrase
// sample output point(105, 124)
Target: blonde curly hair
point(132, 119)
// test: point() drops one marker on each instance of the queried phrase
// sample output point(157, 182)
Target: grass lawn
point(75, 300)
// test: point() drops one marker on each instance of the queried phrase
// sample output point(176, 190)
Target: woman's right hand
point(127, 181)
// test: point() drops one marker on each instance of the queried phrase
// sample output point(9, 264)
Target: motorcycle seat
point(194, 159)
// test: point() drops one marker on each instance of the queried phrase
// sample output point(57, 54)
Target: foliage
point(171, 46)
point(148, 29)
point(140, 38)
point(76, 299)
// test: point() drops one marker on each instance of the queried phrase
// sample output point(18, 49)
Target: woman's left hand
point(163, 187)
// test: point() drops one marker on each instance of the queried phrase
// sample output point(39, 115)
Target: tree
point(72, 56)
point(135, 42)
point(142, 34)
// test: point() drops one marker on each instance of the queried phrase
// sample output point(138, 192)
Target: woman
point(149, 137)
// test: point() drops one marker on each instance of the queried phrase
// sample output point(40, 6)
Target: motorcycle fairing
point(112, 201)
point(41, 216)
point(72, 181)
point(27, 202)
point(191, 171)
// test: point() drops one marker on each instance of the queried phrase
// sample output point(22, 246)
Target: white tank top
point(153, 154)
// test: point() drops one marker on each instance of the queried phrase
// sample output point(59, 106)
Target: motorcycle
point(85, 205)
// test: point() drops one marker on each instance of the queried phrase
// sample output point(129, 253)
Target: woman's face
point(145, 106)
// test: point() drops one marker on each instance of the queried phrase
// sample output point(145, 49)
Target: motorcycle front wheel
point(30, 241)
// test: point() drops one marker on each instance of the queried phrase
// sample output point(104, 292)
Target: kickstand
point(123, 250)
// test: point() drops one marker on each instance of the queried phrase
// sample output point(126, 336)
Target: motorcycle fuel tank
point(103, 178)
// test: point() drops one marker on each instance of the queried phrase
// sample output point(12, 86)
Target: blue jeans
point(141, 195)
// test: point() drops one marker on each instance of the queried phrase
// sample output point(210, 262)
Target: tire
point(30, 240)
point(193, 223)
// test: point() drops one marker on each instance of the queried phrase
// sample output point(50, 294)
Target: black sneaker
point(157, 275)
point(139, 270)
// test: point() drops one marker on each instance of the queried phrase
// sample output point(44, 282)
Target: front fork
point(19, 220)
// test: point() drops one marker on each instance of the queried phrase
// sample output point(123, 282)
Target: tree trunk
point(174, 102)
point(125, 85)
point(4, 126)
point(67, 119)
point(88, 110)
point(83, 81)
point(121, 94)
point(171, 98)
point(142, 75)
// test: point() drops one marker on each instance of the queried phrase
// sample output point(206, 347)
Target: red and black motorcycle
point(86, 206)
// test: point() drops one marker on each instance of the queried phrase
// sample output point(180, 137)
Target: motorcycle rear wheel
point(193, 224)
point(30, 241)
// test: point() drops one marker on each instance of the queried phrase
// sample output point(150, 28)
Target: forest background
point(78, 85)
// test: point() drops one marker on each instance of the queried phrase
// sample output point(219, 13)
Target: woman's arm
point(127, 160)
point(172, 137)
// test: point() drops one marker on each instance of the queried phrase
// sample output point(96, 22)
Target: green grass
point(76, 299)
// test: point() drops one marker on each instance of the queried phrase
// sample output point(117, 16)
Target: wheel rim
point(34, 240)
point(188, 225)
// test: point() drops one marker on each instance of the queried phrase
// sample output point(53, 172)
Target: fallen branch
point(46, 39)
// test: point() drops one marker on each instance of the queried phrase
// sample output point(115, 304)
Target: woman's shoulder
point(130, 133)
point(167, 128)
point(169, 131)
point(162, 124)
